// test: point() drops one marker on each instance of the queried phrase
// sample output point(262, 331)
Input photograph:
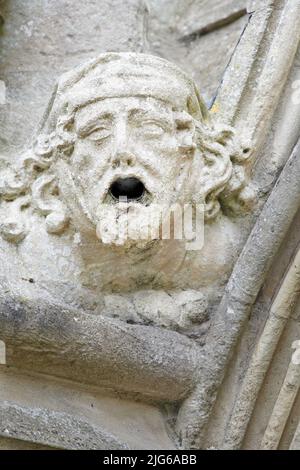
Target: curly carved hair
point(32, 184)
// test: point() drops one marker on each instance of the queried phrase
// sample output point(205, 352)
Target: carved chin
point(131, 215)
point(128, 217)
point(126, 223)
point(123, 217)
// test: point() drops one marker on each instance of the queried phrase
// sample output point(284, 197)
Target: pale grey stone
point(89, 358)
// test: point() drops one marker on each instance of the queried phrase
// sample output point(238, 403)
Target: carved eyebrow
point(149, 114)
point(90, 124)
point(144, 112)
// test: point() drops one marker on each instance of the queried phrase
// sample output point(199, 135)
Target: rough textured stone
point(30, 396)
point(85, 317)
point(158, 134)
point(177, 32)
point(42, 39)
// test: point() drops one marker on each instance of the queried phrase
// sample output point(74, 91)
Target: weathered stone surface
point(85, 316)
point(16, 444)
point(172, 34)
point(103, 352)
point(203, 16)
point(33, 408)
point(115, 119)
point(42, 39)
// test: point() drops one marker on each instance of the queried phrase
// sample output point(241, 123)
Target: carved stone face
point(134, 147)
point(130, 125)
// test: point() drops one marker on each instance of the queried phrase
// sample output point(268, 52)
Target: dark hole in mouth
point(131, 188)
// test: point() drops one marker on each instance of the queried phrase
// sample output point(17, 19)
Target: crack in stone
point(215, 25)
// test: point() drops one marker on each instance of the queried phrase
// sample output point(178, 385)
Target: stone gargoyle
point(126, 134)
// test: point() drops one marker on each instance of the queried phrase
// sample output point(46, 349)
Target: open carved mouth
point(131, 188)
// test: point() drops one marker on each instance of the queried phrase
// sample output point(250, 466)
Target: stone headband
point(123, 75)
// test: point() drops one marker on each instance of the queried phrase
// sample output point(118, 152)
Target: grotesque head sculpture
point(125, 125)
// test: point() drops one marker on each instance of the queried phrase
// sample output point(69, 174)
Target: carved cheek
point(80, 162)
point(88, 157)
point(164, 145)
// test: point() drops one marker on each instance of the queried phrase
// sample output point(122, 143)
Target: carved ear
point(185, 130)
point(216, 170)
point(13, 227)
point(45, 199)
point(212, 167)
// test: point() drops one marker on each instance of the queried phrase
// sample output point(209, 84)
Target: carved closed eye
point(152, 128)
point(99, 134)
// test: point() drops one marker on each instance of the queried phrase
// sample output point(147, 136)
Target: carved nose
point(124, 159)
point(132, 188)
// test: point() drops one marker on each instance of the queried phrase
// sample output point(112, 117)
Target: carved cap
point(120, 75)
